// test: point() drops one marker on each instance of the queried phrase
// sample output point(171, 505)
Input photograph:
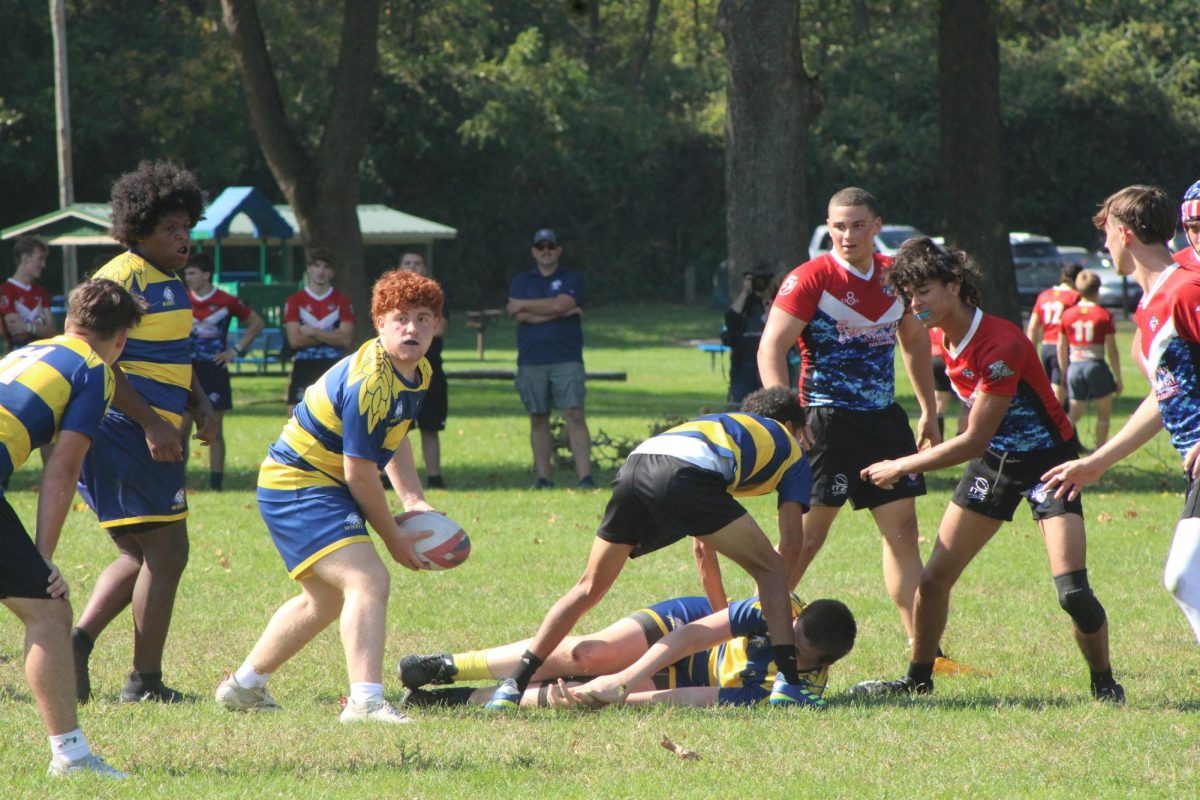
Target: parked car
point(1036, 262)
point(887, 241)
point(1116, 291)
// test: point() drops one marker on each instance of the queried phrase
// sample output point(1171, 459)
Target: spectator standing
point(744, 322)
point(319, 323)
point(24, 302)
point(546, 302)
point(212, 312)
point(431, 419)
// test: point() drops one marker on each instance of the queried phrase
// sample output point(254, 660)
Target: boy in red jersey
point(1087, 332)
point(1137, 222)
point(212, 312)
point(847, 323)
point(1016, 430)
point(24, 302)
point(1046, 319)
point(319, 323)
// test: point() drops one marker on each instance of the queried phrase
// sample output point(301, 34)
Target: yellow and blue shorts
point(123, 484)
point(309, 523)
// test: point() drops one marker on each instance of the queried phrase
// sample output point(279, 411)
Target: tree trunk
point(321, 187)
point(972, 176)
point(771, 100)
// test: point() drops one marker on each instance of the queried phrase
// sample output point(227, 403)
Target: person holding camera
point(744, 322)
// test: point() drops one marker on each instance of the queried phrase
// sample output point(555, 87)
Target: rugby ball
point(449, 545)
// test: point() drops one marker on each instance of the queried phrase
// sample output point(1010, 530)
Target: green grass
point(1029, 730)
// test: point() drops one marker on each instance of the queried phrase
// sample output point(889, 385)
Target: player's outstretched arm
point(362, 478)
point(914, 350)
point(982, 423)
point(710, 574)
point(55, 496)
point(791, 540)
point(1070, 477)
point(682, 642)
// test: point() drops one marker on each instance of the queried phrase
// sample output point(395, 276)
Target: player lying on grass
point(676, 651)
point(1016, 430)
point(1137, 222)
point(56, 390)
point(318, 483)
point(682, 483)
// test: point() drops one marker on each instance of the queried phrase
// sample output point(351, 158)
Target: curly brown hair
point(920, 260)
point(141, 197)
point(399, 289)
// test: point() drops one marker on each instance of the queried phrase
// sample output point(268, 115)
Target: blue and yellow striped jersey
point(747, 660)
point(362, 407)
point(156, 359)
point(47, 386)
point(755, 455)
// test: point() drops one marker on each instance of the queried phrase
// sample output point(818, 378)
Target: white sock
point(362, 692)
point(249, 678)
point(70, 745)
point(1181, 575)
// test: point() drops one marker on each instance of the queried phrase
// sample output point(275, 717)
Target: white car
point(887, 241)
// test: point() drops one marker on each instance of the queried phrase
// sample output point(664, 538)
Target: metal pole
point(62, 121)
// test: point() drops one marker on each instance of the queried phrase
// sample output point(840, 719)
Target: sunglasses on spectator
point(545, 246)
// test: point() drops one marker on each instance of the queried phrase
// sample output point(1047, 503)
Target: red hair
point(397, 289)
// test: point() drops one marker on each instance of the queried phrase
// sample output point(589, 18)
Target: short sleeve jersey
point(211, 317)
point(156, 358)
point(995, 358)
point(754, 455)
point(1086, 326)
point(555, 341)
point(1168, 318)
point(747, 661)
point(849, 340)
point(1050, 306)
point(27, 301)
point(52, 385)
point(325, 312)
point(361, 407)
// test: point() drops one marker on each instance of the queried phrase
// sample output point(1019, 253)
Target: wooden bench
point(264, 356)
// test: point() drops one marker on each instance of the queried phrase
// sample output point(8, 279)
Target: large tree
point(322, 182)
point(771, 99)
point(972, 174)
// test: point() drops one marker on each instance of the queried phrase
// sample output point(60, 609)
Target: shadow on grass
point(973, 703)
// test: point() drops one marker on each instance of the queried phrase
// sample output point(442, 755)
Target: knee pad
point(1076, 598)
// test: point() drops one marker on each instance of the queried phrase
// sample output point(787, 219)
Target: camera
point(760, 280)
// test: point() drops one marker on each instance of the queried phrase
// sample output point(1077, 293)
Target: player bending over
point(320, 481)
point(1016, 430)
point(676, 651)
point(56, 390)
point(1137, 221)
point(683, 483)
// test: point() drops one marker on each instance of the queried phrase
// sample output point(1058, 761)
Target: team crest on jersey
point(998, 370)
point(789, 285)
point(1166, 385)
point(968, 374)
point(979, 489)
point(168, 297)
point(840, 485)
point(1153, 323)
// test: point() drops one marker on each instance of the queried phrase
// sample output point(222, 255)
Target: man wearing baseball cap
point(547, 302)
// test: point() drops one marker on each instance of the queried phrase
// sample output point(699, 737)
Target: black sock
point(785, 661)
point(82, 640)
point(523, 674)
point(920, 673)
point(145, 680)
point(942, 426)
point(1102, 678)
point(215, 479)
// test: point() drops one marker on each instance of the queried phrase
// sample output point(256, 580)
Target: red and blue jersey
point(1087, 326)
point(1050, 306)
point(995, 358)
point(52, 385)
point(27, 301)
point(849, 340)
point(1187, 257)
point(211, 317)
point(325, 313)
point(1168, 318)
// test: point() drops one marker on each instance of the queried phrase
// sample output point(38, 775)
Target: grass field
point(1028, 730)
